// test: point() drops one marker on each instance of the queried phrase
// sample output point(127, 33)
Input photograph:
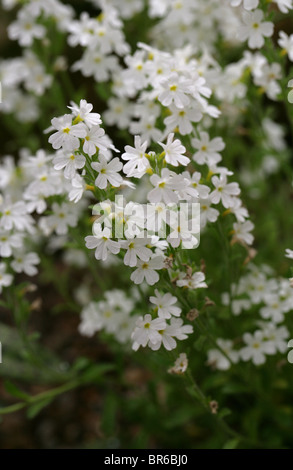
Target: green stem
point(40, 397)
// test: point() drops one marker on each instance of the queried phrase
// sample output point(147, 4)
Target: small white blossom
point(108, 172)
point(102, 243)
point(254, 29)
point(196, 281)
point(173, 152)
point(165, 304)
point(5, 279)
point(148, 270)
point(147, 330)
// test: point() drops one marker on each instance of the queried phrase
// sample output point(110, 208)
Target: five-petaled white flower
point(70, 161)
point(102, 243)
point(108, 172)
point(165, 304)
point(224, 192)
point(136, 248)
point(148, 270)
point(146, 330)
point(173, 152)
point(254, 29)
point(67, 134)
point(137, 162)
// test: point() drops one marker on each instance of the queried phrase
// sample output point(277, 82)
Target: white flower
point(208, 150)
point(240, 212)
point(201, 189)
point(173, 152)
point(180, 365)
point(182, 118)
point(8, 242)
point(136, 248)
point(270, 73)
point(284, 5)
point(146, 128)
point(254, 29)
point(94, 140)
point(119, 113)
point(224, 191)
point(89, 320)
point(256, 348)
point(218, 360)
point(286, 42)
point(148, 270)
point(83, 112)
point(176, 329)
point(5, 279)
point(78, 188)
point(247, 4)
point(95, 63)
point(289, 253)
point(273, 310)
point(108, 172)
point(25, 29)
point(183, 229)
point(137, 162)
point(196, 281)
point(165, 187)
point(174, 90)
point(147, 330)
point(156, 218)
point(165, 304)
point(70, 161)
point(26, 263)
point(207, 213)
point(62, 218)
point(276, 336)
point(67, 134)
point(242, 231)
point(101, 242)
point(15, 216)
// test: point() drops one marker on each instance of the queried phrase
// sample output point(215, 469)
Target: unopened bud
point(214, 405)
point(192, 314)
point(168, 262)
point(36, 304)
point(209, 302)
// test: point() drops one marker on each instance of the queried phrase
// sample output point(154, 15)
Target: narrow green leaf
point(35, 409)
point(14, 390)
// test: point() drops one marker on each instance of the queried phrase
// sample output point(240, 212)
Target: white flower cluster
point(274, 299)
point(28, 73)
point(103, 40)
point(165, 95)
point(174, 80)
point(113, 315)
point(83, 149)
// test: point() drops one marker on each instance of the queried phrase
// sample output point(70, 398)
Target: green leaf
point(35, 409)
point(81, 363)
point(224, 412)
point(14, 390)
point(95, 372)
point(231, 444)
